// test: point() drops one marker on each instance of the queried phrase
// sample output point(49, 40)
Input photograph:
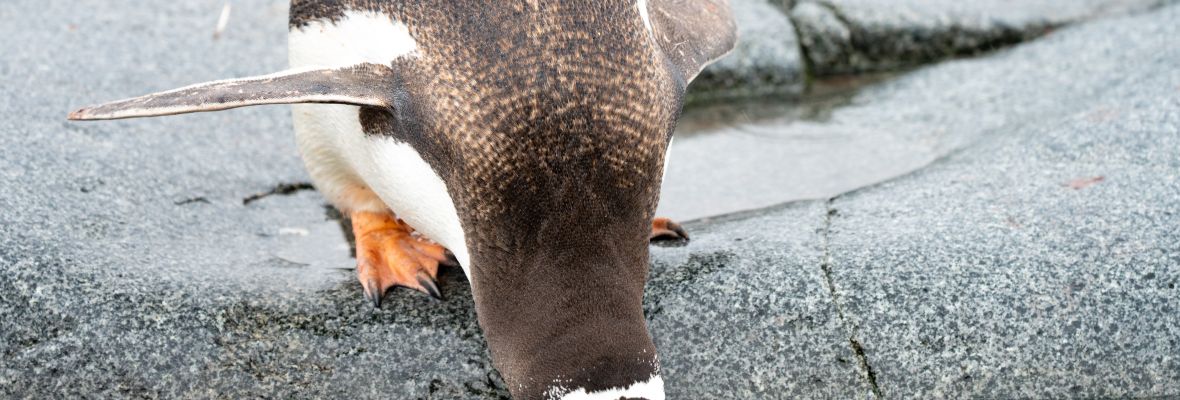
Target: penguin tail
point(361, 84)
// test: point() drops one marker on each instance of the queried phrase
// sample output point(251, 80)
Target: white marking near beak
point(651, 389)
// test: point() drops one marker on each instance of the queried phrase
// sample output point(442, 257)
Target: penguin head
point(548, 122)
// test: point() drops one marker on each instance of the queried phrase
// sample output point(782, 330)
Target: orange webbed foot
point(663, 229)
point(389, 254)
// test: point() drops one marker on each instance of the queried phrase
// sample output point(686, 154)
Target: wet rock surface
point(1035, 257)
point(766, 60)
point(867, 132)
point(780, 52)
point(851, 36)
point(850, 132)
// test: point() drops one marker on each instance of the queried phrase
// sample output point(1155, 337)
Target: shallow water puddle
point(747, 155)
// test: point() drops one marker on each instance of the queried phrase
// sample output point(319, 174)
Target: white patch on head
point(651, 389)
point(359, 36)
point(642, 4)
point(342, 160)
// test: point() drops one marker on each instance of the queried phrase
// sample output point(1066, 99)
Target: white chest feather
point(338, 155)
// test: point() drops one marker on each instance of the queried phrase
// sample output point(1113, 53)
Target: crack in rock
point(864, 364)
point(193, 200)
point(284, 189)
point(826, 266)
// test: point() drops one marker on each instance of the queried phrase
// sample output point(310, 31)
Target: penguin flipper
point(361, 84)
point(692, 33)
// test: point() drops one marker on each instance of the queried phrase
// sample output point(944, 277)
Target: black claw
point(451, 261)
point(675, 227)
point(672, 233)
point(428, 284)
point(373, 293)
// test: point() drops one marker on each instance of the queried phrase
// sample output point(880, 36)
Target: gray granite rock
point(1044, 261)
point(851, 36)
point(765, 61)
point(742, 312)
point(777, 54)
point(824, 38)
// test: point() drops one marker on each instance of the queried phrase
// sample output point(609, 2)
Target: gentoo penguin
point(528, 137)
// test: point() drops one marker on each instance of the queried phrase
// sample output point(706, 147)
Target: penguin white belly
point(342, 160)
